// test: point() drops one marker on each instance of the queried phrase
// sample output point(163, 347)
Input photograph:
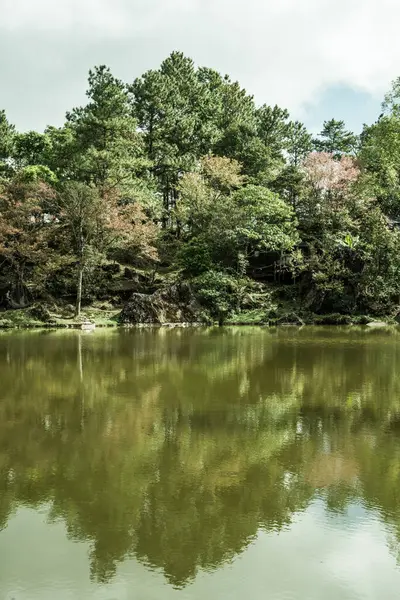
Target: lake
point(179, 464)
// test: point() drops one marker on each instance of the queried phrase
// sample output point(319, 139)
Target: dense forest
point(177, 198)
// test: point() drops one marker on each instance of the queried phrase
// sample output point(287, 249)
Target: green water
point(209, 464)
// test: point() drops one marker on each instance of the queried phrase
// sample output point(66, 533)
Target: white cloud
point(96, 16)
point(284, 51)
point(106, 18)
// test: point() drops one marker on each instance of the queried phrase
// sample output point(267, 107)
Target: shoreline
point(78, 327)
point(95, 317)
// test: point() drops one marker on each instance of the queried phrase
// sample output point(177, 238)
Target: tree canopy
point(183, 161)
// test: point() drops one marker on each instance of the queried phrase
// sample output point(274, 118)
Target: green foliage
point(263, 221)
point(194, 257)
point(31, 148)
point(256, 316)
point(7, 144)
point(36, 174)
point(108, 148)
point(391, 102)
point(335, 139)
point(380, 156)
point(173, 111)
point(298, 143)
point(218, 291)
point(183, 160)
point(379, 248)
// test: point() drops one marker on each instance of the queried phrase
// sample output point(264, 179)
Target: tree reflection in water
point(176, 446)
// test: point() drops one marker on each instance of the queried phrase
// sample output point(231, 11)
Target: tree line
point(182, 173)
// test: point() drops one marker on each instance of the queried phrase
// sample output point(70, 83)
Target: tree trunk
point(164, 222)
point(18, 296)
point(79, 291)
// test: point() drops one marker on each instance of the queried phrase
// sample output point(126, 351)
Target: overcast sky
point(318, 58)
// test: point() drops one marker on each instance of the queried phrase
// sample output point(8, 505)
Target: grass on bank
point(104, 316)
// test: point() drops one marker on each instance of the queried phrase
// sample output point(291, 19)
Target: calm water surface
point(217, 464)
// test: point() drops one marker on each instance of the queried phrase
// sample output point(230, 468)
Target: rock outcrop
point(175, 304)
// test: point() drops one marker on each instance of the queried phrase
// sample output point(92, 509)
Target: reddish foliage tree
point(91, 224)
point(326, 174)
point(24, 236)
